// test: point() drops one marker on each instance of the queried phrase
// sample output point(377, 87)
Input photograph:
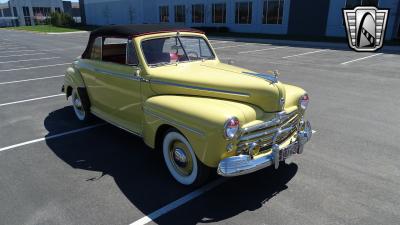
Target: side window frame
point(100, 58)
point(130, 46)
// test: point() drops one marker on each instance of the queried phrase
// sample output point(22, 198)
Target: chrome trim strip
point(271, 78)
point(114, 124)
point(173, 122)
point(115, 74)
point(199, 88)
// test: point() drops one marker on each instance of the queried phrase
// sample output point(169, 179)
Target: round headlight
point(303, 102)
point(231, 128)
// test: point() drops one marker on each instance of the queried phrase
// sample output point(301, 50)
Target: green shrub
point(61, 19)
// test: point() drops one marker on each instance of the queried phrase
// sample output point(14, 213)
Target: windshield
point(162, 51)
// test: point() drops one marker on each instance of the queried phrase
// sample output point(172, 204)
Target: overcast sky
point(2, 1)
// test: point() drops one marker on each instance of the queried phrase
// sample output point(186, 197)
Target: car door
point(114, 86)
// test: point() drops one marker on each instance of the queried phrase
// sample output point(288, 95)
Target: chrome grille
point(263, 133)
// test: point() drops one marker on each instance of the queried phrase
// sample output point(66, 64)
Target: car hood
point(218, 80)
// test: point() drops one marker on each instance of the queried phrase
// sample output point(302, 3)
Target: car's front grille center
point(263, 134)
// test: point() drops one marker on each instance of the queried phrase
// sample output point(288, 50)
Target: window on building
point(57, 9)
point(243, 13)
point(40, 14)
point(198, 13)
point(27, 16)
point(219, 13)
point(15, 12)
point(350, 4)
point(272, 12)
point(179, 13)
point(164, 14)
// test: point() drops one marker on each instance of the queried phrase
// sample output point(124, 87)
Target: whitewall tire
point(79, 108)
point(181, 160)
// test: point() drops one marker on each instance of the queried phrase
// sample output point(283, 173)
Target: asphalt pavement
point(56, 170)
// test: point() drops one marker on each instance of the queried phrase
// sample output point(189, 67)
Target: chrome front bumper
point(244, 164)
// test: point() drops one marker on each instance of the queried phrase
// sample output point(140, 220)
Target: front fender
point(200, 119)
point(73, 78)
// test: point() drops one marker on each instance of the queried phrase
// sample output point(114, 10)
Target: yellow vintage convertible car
point(166, 85)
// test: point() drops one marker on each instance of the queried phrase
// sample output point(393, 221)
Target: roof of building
point(138, 30)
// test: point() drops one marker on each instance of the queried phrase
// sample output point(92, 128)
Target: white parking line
point(233, 46)
point(355, 60)
point(306, 53)
point(6, 56)
point(181, 201)
point(29, 100)
point(27, 60)
point(13, 48)
point(51, 137)
point(45, 50)
point(217, 41)
point(40, 78)
point(19, 51)
point(314, 131)
point(34, 67)
point(259, 50)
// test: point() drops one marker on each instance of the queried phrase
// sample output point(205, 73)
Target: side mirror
point(137, 72)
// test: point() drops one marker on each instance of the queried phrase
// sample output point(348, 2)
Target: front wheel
point(80, 109)
point(181, 160)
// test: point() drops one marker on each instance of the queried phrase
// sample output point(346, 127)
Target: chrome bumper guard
point(244, 164)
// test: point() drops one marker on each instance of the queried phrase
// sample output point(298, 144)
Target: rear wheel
point(80, 109)
point(181, 160)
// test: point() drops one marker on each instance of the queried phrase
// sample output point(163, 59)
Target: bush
point(61, 19)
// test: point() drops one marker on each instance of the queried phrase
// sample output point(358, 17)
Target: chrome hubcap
point(181, 158)
point(77, 103)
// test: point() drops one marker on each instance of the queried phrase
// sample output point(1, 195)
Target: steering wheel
point(191, 53)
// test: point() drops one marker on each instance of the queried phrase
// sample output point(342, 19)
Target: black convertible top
point(133, 30)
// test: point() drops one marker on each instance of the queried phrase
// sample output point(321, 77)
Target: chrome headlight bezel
point(231, 128)
point(304, 100)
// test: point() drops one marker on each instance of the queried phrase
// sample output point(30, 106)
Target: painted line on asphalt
point(14, 48)
point(359, 59)
point(30, 50)
point(306, 53)
point(46, 50)
point(27, 60)
point(30, 100)
point(313, 131)
point(260, 50)
point(9, 46)
point(217, 41)
point(32, 79)
point(50, 137)
point(6, 56)
point(34, 67)
point(233, 46)
point(179, 202)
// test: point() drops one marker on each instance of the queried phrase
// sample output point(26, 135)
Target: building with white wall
point(293, 17)
point(31, 12)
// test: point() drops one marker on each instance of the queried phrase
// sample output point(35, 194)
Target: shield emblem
point(365, 27)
